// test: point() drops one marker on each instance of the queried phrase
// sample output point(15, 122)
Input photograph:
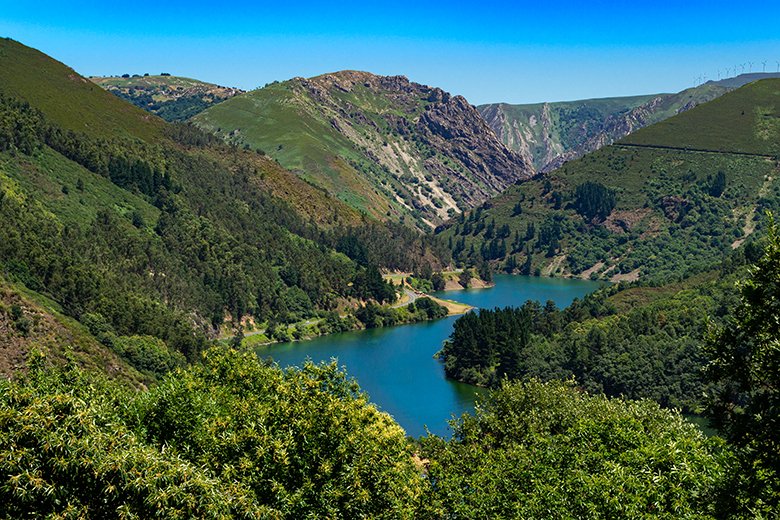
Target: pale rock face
point(440, 139)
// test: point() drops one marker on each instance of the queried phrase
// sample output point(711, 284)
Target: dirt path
point(585, 275)
point(750, 223)
point(697, 150)
point(553, 266)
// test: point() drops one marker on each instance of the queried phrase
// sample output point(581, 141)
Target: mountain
point(666, 202)
point(173, 98)
point(387, 146)
point(153, 236)
point(551, 134)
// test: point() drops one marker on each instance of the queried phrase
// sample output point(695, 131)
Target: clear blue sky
point(487, 51)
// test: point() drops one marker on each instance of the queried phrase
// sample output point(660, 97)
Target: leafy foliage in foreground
point(230, 438)
point(745, 356)
point(535, 450)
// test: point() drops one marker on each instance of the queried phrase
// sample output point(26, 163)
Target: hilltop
point(551, 134)
point(387, 146)
point(173, 98)
point(666, 202)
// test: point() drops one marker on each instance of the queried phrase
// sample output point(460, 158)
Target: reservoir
point(396, 367)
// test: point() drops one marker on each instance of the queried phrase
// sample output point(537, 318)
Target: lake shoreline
point(396, 365)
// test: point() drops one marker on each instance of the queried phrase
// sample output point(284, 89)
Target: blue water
point(396, 367)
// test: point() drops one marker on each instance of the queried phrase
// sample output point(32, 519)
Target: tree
point(465, 278)
point(536, 450)
point(238, 337)
point(745, 362)
point(593, 200)
point(717, 184)
point(438, 281)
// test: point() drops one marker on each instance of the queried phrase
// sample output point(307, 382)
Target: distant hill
point(387, 146)
point(665, 202)
point(550, 134)
point(173, 98)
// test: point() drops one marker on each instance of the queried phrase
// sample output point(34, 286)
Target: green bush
point(230, 437)
point(535, 450)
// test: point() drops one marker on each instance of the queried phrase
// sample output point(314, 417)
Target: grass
point(453, 307)
point(282, 122)
point(746, 120)
point(69, 99)
point(151, 81)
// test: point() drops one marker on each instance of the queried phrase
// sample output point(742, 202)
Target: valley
point(670, 193)
point(354, 295)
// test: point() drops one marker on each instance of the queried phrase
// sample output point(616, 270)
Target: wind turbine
point(763, 65)
point(718, 74)
point(778, 66)
point(750, 63)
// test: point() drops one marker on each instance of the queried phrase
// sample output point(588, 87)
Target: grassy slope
point(70, 100)
point(389, 148)
point(747, 120)
point(173, 98)
point(641, 176)
point(287, 125)
point(153, 81)
point(77, 104)
point(47, 176)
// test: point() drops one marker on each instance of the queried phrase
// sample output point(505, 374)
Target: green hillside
point(69, 100)
point(745, 122)
point(174, 98)
point(152, 235)
point(655, 211)
point(388, 147)
point(553, 133)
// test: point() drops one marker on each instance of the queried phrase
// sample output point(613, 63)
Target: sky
point(487, 51)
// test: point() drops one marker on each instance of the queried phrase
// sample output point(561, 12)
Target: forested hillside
point(623, 340)
point(152, 235)
point(669, 201)
point(126, 242)
point(704, 346)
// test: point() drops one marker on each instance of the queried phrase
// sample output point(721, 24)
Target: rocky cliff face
point(427, 153)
